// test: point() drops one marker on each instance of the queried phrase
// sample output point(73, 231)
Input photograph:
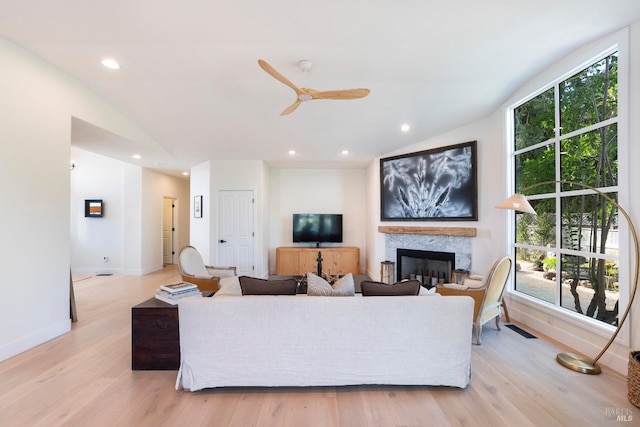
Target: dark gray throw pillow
point(373, 289)
point(255, 286)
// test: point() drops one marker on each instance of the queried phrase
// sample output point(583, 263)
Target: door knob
point(222, 241)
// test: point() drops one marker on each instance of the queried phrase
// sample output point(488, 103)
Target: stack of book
point(174, 292)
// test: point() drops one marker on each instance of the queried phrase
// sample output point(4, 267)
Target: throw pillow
point(255, 286)
point(229, 286)
point(343, 287)
point(428, 292)
point(371, 288)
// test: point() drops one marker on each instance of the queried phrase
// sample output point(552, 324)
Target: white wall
point(490, 241)
point(155, 187)
point(97, 177)
point(317, 191)
point(36, 108)
point(199, 229)
point(633, 203)
point(130, 232)
point(266, 220)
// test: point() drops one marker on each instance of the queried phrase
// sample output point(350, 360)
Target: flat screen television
point(317, 228)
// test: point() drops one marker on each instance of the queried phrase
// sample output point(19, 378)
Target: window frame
point(572, 65)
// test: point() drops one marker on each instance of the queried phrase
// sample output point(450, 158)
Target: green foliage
point(536, 166)
point(535, 120)
point(591, 96)
point(549, 263)
point(611, 269)
point(588, 98)
point(545, 230)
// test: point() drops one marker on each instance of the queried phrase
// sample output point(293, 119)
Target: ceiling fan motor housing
point(305, 65)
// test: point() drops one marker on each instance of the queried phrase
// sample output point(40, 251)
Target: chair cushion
point(455, 286)
point(221, 271)
point(475, 282)
point(255, 286)
point(408, 287)
point(343, 287)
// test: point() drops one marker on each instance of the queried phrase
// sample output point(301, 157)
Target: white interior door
point(167, 230)
point(236, 234)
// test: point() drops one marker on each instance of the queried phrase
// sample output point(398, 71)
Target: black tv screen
point(317, 228)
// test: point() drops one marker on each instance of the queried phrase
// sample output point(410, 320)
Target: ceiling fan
point(305, 94)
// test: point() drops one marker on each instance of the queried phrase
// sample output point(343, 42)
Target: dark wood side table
point(155, 335)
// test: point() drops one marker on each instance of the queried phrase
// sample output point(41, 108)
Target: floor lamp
point(576, 362)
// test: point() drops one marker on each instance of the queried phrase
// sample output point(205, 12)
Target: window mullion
point(558, 132)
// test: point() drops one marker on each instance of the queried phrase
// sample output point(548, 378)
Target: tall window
point(567, 254)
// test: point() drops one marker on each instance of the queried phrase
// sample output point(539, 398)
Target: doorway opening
point(168, 230)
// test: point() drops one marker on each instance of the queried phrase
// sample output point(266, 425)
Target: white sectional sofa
point(302, 340)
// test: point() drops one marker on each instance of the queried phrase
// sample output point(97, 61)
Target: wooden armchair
point(486, 292)
point(193, 270)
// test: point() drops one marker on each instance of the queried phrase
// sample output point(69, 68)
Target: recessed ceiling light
point(111, 64)
point(185, 173)
point(292, 152)
point(345, 152)
point(405, 127)
point(137, 156)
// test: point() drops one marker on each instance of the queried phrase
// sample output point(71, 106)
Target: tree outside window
point(567, 255)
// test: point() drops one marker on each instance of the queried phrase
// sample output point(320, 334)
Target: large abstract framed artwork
point(431, 185)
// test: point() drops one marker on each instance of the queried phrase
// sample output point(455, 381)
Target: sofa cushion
point(343, 287)
point(371, 288)
point(255, 286)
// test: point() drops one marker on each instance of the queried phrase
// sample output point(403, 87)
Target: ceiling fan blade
point(291, 108)
point(276, 75)
point(340, 94)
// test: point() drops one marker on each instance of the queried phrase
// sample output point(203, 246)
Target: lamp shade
point(517, 202)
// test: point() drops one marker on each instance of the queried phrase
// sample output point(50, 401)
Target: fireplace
point(460, 245)
point(429, 267)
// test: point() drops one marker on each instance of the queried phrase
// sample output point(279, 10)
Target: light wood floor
point(84, 378)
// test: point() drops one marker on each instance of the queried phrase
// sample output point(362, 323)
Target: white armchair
point(486, 292)
point(193, 270)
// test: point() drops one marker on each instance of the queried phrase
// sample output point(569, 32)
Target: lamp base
point(578, 363)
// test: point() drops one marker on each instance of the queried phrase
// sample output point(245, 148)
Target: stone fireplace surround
point(447, 241)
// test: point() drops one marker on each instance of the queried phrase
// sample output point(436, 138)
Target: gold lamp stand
point(573, 361)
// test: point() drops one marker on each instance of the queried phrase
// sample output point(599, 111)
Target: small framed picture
point(197, 207)
point(93, 208)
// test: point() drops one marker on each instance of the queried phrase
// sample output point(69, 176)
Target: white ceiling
point(190, 77)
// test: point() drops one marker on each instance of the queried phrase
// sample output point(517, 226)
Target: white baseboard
point(28, 342)
point(615, 359)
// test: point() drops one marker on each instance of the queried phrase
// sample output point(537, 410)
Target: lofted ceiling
point(189, 76)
